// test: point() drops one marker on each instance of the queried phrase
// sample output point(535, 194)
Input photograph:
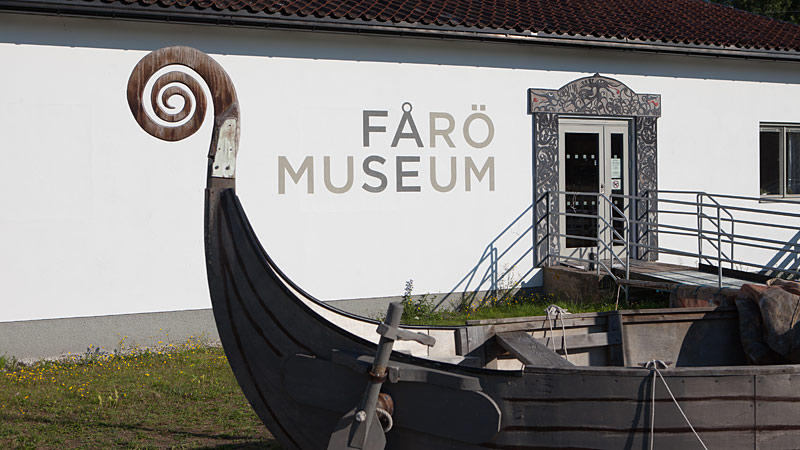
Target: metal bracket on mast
point(360, 428)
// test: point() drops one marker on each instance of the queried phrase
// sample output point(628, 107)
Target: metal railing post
point(599, 233)
point(719, 247)
point(733, 234)
point(699, 199)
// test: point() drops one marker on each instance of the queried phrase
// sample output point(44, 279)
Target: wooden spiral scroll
point(226, 105)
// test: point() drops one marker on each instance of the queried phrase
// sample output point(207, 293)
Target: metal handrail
point(606, 229)
point(730, 196)
point(717, 227)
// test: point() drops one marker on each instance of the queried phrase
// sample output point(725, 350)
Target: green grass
point(180, 397)
point(422, 312)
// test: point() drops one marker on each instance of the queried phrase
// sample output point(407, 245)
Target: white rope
point(653, 364)
point(384, 416)
point(559, 313)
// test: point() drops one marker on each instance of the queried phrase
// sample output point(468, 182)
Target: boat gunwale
point(709, 371)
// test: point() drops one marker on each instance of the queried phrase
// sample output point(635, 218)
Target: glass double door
point(593, 171)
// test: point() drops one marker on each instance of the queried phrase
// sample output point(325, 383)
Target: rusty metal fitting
point(386, 403)
point(377, 378)
point(385, 408)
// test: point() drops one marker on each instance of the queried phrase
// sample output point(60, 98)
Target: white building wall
point(100, 218)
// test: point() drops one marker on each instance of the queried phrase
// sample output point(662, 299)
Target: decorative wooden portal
point(591, 97)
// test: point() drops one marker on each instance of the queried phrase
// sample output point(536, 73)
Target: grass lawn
point(180, 397)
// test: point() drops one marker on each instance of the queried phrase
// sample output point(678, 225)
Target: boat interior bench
point(528, 350)
point(681, 336)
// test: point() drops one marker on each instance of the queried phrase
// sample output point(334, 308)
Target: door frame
point(592, 97)
point(604, 128)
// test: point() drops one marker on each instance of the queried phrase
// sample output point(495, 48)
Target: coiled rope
point(385, 419)
point(653, 365)
point(559, 314)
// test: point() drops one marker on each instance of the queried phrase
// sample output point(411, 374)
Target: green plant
point(9, 363)
point(416, 308)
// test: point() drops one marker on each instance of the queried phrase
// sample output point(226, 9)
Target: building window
point(779, 160)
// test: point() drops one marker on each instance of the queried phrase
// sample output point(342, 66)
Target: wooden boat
point(309, 370)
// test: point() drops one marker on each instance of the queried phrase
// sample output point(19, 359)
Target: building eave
point(262, 20)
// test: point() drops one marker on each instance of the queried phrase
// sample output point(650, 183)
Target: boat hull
point(267, 327)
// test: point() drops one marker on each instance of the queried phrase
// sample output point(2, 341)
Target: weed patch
point(420, 310)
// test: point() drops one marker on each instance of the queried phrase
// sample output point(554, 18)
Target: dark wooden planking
point(528, 350)
point(541, 323)
point(778, 439)
point(594, 438)
point(546, 384)
point(331, 386)
point(777, 409)
point(597, 317)
point(704, 414)
point(780, 385)
point(472, 417)
point(319, 338)
point(616, 353)
point(591, 317)
point(469, 417)
point(693, 343)
point(679, 315)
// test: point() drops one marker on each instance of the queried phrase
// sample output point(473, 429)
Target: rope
point(559, 313)
point(653, 364)
point(385, 419)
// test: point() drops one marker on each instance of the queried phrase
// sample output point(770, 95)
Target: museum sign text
point(465, 172)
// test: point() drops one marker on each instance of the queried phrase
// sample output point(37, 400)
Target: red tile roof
point(681, 22)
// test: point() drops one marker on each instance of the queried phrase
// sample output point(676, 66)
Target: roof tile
point(692, 22)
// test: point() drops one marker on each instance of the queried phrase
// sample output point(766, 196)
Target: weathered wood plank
point(580, 341)
point(551, 385)
point(542, 323)
point(704, 414)
point(685, 343)
point(529, 350)
point(778, 385)
point(784, 439)
point(507, 320)
point(616, 353)
point(661, 317)
point(601, 315)
point(598, 438)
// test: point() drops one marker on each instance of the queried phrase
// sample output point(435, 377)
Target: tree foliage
point(786, 10)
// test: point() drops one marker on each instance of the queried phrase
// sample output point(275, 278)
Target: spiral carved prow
point(174, 125)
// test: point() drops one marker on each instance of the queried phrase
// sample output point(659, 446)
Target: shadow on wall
point(787, 258)
point(505, 266)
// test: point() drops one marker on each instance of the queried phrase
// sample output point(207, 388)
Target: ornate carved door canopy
point(597, 96)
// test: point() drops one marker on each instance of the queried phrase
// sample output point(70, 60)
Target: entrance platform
point(679, 274)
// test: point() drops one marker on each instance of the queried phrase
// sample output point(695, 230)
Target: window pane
point(581, 174)
point(618, 185)
point(793, 162)
point(770, 162)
